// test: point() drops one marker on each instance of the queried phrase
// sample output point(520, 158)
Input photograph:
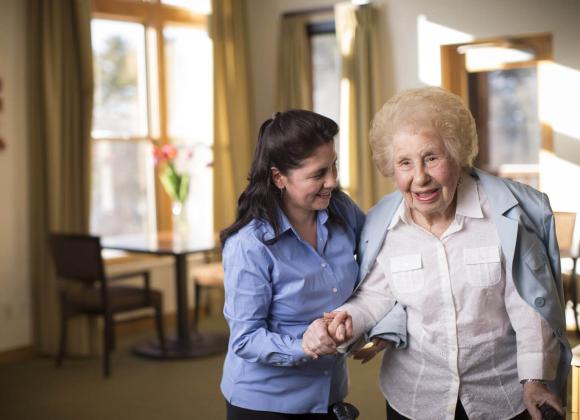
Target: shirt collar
point(468, 203)
point(400, 216)
point(285, 225)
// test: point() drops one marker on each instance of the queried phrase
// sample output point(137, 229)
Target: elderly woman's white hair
point(427, 108)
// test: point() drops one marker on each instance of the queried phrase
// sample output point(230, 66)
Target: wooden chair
point(85, 289)
point(565, 225)
point(207, 275)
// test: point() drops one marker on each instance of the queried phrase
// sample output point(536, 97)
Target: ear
point(278, 179)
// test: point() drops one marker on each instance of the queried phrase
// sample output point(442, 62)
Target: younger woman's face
point(309, 187)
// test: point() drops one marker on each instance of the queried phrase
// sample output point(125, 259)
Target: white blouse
point(470, 334)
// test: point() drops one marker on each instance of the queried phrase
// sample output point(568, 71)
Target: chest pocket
point(483, 266)
point(407, 274)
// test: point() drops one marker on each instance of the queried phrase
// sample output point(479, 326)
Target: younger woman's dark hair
point(284, 142)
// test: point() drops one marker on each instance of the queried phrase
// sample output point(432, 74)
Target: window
point(325, 59)
point(153, 85)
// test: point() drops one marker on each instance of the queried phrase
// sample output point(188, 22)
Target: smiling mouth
point(426, 196)
point(325, 195)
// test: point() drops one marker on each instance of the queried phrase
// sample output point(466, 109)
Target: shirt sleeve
point(248, 296)
point(370, 303)
point(538, 350)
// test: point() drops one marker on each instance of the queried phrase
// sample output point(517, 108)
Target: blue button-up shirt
point(272, 294)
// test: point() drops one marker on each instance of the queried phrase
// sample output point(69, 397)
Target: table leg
point(187, 343)
point(181, 300)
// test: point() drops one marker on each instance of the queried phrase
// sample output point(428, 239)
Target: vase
point(179, 219)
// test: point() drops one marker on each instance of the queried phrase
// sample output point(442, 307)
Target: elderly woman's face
point(424, 172)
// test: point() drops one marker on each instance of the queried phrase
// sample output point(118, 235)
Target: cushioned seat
point(206, 275)
point(565, 228)
point(85, 289)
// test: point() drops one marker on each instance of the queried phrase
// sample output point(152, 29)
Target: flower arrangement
point(175, 182)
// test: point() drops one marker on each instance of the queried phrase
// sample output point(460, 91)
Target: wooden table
point(186, 343)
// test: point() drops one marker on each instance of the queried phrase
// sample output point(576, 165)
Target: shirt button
point(323, 265)
point(539, 302)
point(326, 372)
point(334, 290)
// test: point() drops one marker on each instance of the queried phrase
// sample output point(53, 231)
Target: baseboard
point(20, 354)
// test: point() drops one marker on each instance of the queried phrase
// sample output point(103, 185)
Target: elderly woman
point(474, 260)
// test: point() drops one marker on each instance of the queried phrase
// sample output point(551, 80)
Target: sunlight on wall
point(559, 180)
point(559, 102)
point(430, 37)
point(560, 98)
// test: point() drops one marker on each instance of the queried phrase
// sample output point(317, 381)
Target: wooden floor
point(143, 389)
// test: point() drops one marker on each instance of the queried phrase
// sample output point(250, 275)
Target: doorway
point(498, 79)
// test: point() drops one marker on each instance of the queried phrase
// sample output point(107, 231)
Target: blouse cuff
point(536, 366)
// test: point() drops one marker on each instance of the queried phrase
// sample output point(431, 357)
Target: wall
point(413, 32)
point(15, 302)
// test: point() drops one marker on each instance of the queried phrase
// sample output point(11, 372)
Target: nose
point(421, 176)
point(331, 179)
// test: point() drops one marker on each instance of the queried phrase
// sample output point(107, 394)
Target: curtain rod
point(313, 11)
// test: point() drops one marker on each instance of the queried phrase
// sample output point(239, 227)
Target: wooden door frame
point(454, 72)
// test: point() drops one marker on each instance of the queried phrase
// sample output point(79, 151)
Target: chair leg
point(112, 338)
point(160, 329)
point(107, 346)
point(196, 310)
point(573, 291)
point(63, 338)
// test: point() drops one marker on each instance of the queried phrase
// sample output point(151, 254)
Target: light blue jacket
point(525, 226)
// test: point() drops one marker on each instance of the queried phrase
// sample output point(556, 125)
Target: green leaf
point(183, 188)
point(175, 184)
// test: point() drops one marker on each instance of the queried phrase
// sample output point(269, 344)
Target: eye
point(430, 160)
point(319, 174)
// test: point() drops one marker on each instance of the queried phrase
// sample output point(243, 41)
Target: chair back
point(565, 223)
point(77, 257)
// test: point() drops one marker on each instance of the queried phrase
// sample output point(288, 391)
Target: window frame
point(154, 16)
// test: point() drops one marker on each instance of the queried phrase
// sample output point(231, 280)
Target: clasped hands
point(326, 334)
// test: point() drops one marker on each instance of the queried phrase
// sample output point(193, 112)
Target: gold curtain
point(233, 144)
point(60, 82)
point(357, 30)
point(294, 88)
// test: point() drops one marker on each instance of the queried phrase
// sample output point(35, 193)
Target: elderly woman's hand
point(537, 394)
point(339, 326)
point(374, 347)
point(316, 341)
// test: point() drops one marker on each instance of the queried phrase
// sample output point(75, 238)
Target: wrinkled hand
point(339, 326)
point(536, 394)
point(316, 341)
point(374, 347)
